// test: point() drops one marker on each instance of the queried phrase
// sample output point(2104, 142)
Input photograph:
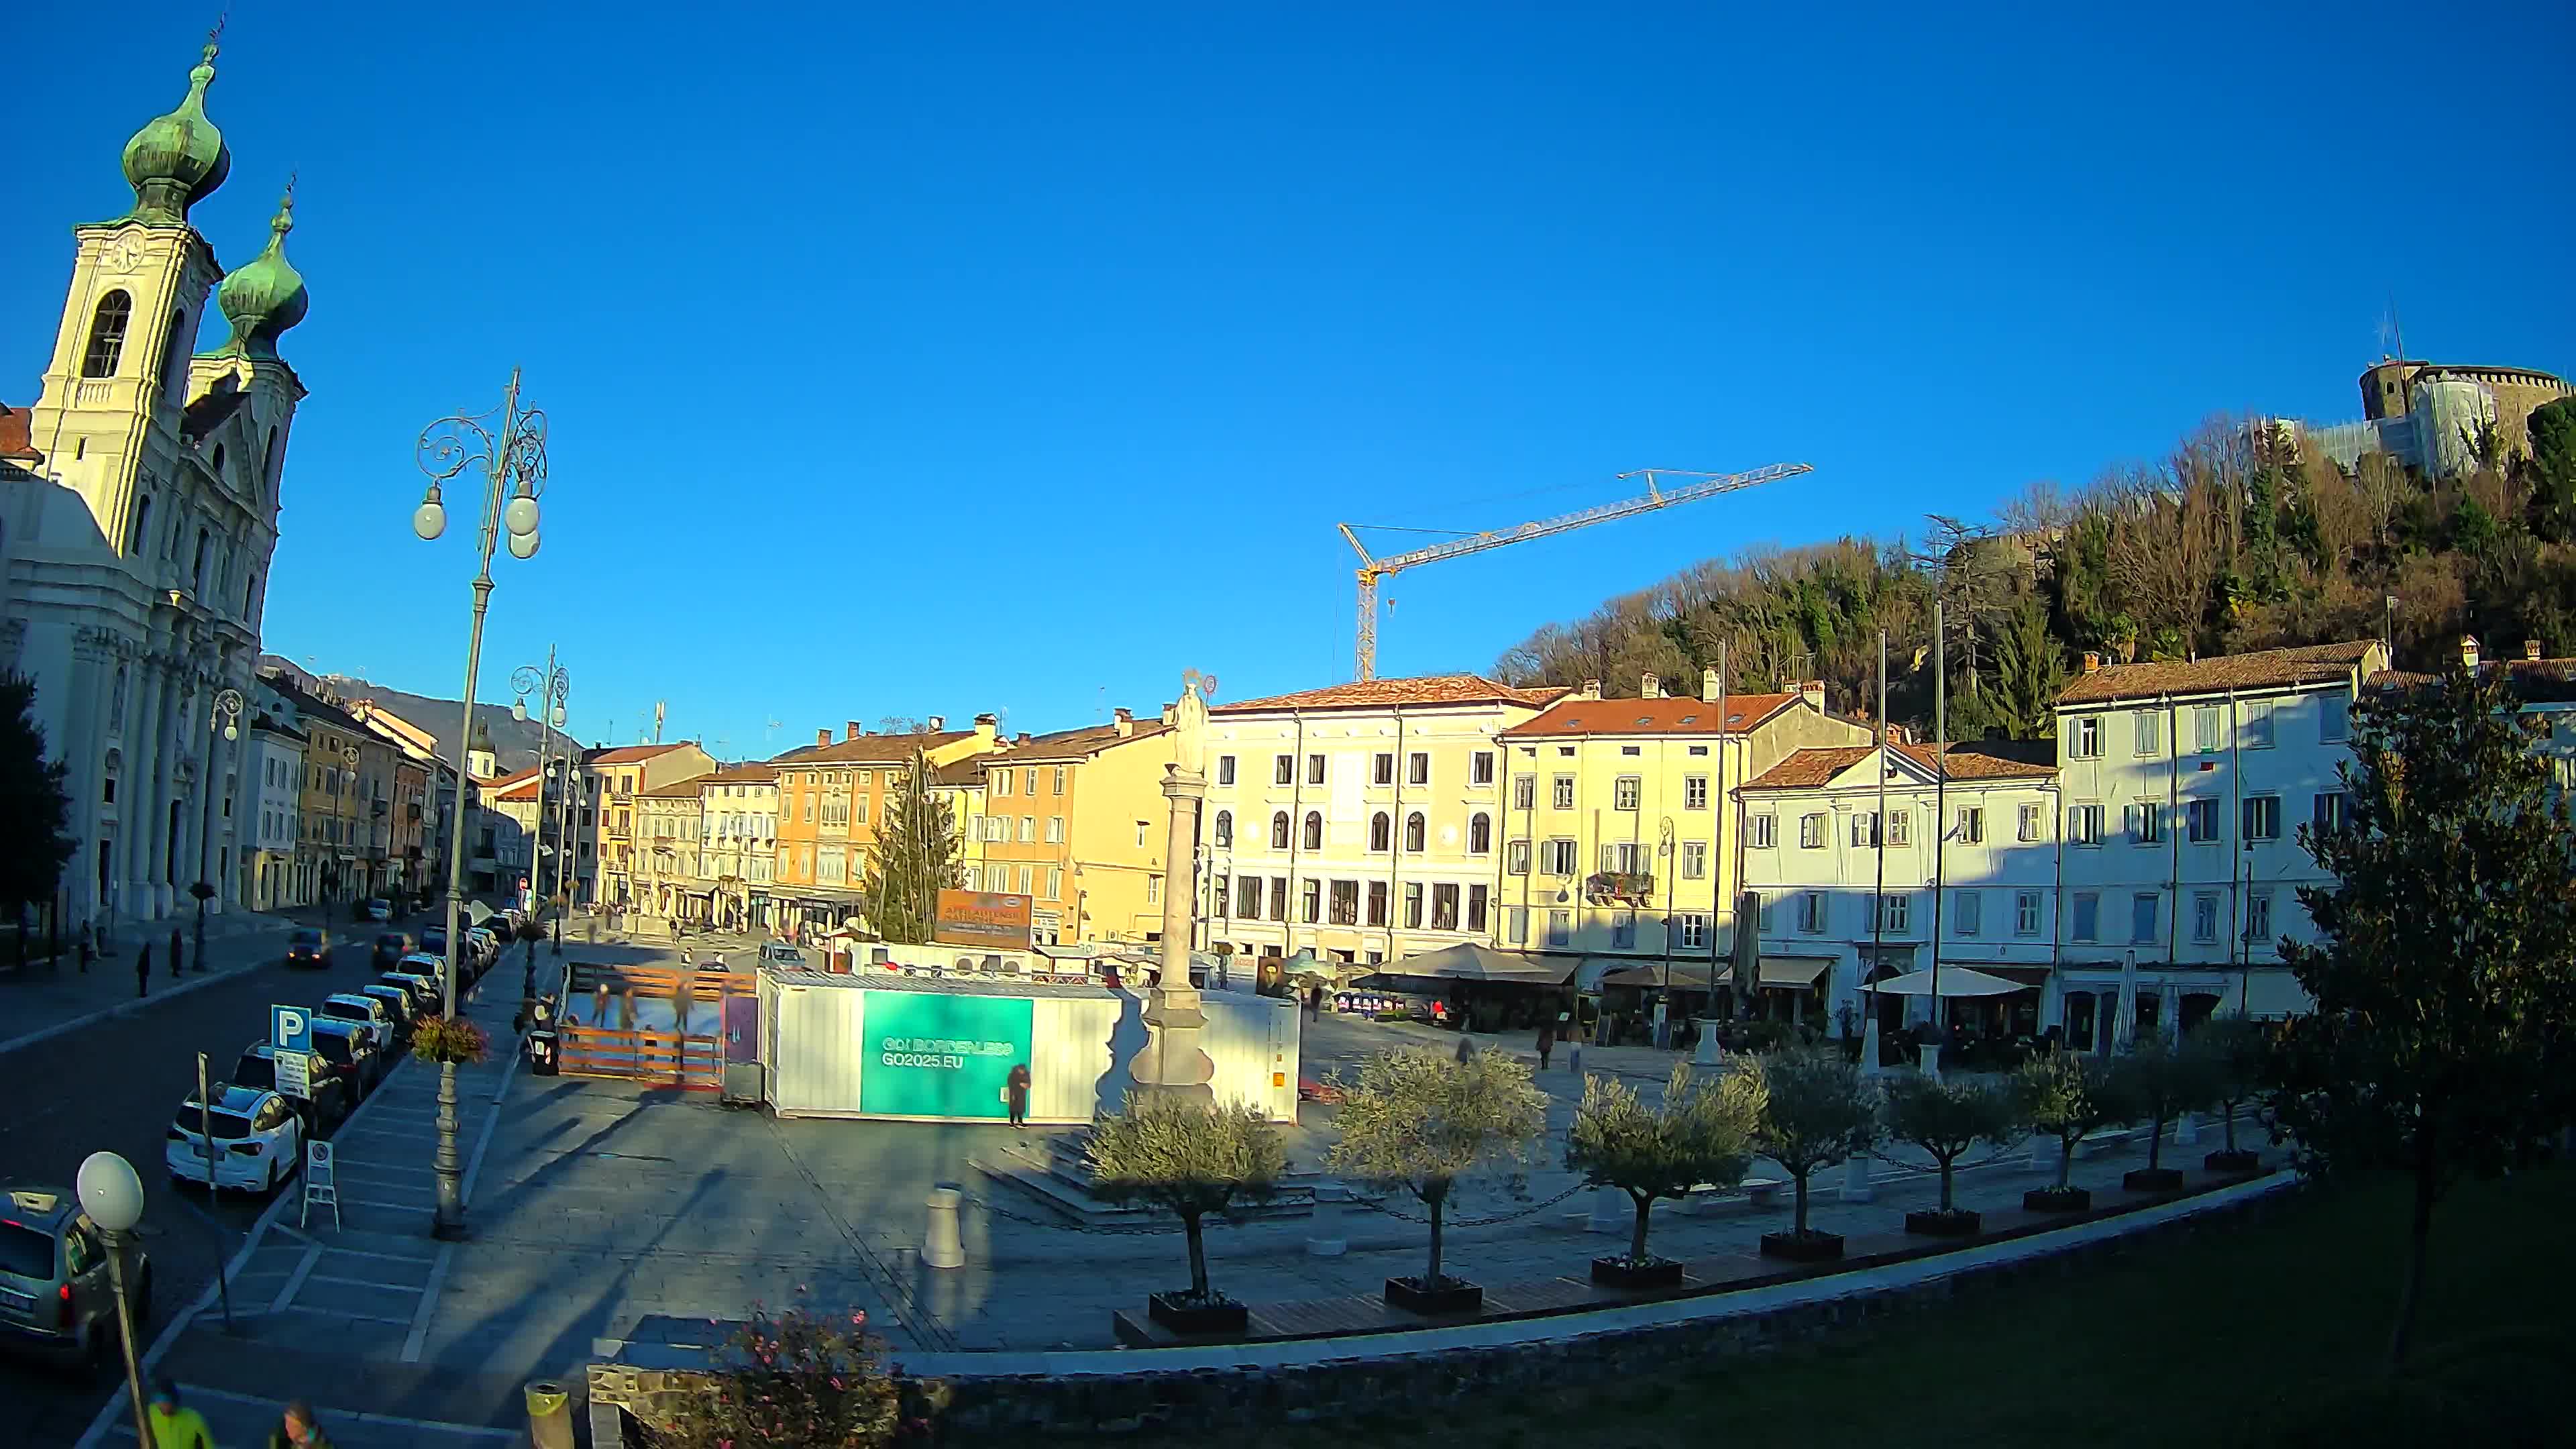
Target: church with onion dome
point(138, 516)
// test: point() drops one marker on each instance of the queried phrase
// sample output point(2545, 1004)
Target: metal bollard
point(2043, 1152)
point(940, 1245)
point(1612, 1212)
point(2186, 1129)
point(549, 1415)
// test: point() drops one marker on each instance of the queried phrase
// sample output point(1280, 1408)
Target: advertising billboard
point(936, 1054)
point(983, 918)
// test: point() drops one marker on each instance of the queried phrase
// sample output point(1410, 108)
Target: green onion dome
point(177, 159)
point(265, 295)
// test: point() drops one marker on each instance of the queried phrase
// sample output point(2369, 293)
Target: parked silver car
point(57, 1301)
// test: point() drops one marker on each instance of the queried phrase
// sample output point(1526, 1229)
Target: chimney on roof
point(1813, 691)
point(822, 737)
point(1708, 684)
point(1123, 721)
point(936, 724)
point(2531, 649)
point(852, 726)
point(2468, 651)
point(1591, 690)
point(2092, 661)
point(1651, 687)
point(985, 725)
point(1021, 738)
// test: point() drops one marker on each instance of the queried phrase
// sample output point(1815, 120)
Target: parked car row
point(311, 947)
point(247, 1133)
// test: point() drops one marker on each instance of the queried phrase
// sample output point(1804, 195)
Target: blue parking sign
point(290, 1028)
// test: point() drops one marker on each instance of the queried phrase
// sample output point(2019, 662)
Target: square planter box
point(1620, 1273)
point(1813, 1247)
point(2052, 1200)
point(2152, 1179)
point(1452, 1296)
point(1961, 1223)
point(2232, 1161)
point(1169, 1310)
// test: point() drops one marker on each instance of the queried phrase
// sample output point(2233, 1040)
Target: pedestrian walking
point(143, 970)
point(1546, 1042)
point(626, 1009)
point(177, 944)
point(599, 1007)
point(1015, 1093)
point(174, 1425)
point(1466, 1046)
point(88, 946)
point(1314, 1003)
point(298, 1429)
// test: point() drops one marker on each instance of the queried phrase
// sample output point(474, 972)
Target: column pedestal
point(1173, 1063)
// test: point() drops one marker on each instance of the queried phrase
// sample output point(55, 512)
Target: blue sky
point(935, 359)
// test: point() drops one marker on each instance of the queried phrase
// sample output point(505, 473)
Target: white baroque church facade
point(138, 517)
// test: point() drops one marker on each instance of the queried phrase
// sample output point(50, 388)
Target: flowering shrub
point(801, 1379)
point(449, 1039)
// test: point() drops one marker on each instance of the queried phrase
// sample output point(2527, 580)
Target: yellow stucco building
point(1617, 840)
point(1076, 821)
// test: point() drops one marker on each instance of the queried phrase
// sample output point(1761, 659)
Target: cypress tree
point(33, 804)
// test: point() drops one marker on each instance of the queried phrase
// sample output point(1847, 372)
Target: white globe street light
point(512, 460)
point(113, 1197)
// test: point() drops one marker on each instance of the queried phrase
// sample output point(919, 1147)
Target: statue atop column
point(1189, 726)
point(1172, 1061)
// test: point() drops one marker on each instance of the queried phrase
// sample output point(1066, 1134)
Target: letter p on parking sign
point(290, 1028)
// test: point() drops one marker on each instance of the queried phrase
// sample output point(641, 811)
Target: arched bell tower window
point(205, 544)
point(219, 460)
point(107, 334)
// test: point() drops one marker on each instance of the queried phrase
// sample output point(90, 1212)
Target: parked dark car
point(354, 1052)
point(391, 946)
point(398, 1001)
point(332, 1098)
point(433, 939)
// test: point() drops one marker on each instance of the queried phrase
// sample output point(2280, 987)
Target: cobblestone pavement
point(612, 1212)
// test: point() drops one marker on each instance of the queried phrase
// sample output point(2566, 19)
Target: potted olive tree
point(2069, 1096)
point(1422, 1121)
point(1189, 1160)
point(1945, 1117)
point(1701, 1133)
point(1814, 1110)
point(2160, 1082)
point(2235, 1055)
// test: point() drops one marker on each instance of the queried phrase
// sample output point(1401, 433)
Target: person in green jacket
point(174, 1425)
point(299, 1430)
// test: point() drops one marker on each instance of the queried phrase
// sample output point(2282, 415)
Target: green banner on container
point(933, 1054)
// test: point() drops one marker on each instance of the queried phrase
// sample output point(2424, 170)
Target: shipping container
point(923, 1049)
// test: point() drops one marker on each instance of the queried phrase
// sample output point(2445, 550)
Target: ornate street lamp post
point(113, 1197)
point(225, 719)
point(512, 459)
point(553, 688)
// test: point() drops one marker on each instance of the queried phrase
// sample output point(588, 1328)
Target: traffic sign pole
point(206, 1126)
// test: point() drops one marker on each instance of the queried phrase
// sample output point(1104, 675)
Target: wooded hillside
point(2235, 542)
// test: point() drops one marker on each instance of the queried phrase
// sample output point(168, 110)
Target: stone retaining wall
point(1247, 1397)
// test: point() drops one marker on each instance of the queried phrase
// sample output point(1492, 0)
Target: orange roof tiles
point(1810, 768)
point(1427, 689)
point(1671, 715)
point(2263, 669)
point(628, 754)
point(1073, 744)
point(17, 443)
point(874, 749)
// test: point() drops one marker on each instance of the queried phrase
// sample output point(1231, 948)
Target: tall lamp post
point(512, 459)
point(113, 1197)
point(349, 824)
point(553, 687)
point(225, 719)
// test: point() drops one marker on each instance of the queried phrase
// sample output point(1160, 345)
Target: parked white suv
point(259, 1141)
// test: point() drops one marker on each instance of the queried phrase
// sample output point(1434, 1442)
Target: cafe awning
point(1468, 961)
point(1788, 972)
point(1955, 981)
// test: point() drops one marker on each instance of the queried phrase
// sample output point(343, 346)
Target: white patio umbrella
point(1955, 981)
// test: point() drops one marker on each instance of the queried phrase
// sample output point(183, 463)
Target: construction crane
point(1372, 569)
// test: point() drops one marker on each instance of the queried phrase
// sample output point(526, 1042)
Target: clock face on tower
point(124, 256)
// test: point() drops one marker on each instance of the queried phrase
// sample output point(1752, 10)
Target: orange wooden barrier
point(693, 1063)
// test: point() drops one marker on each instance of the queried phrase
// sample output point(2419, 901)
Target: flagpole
point(1940, 799)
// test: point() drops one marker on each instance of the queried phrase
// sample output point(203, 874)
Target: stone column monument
point(1172, 1062)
